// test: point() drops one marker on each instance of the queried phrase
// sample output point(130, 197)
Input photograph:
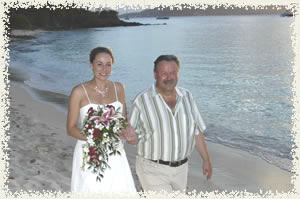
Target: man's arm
point(202, 149)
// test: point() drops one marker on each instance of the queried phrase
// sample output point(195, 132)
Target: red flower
point(90, 126)
point(92, 151)
point(97, 133)
point(94, 157)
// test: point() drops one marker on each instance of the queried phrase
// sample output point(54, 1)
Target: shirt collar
point(155, 93)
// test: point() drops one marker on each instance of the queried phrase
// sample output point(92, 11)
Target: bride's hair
point(98, 50)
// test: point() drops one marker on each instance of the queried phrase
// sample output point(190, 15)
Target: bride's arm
point(122, 97)
point(73, 114)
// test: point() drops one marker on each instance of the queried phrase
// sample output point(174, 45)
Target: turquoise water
point(238, 68)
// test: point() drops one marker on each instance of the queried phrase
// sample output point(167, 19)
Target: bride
point(99, 90)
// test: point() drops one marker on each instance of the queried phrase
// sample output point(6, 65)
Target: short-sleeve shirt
point(164, 134)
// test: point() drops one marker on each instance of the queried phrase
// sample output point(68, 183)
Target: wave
point(270, 149)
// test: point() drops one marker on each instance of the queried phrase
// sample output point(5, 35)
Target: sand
point(41, 155)
point(40, 150)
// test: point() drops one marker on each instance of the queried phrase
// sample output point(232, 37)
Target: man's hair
point(166, 58)
point(98, 50)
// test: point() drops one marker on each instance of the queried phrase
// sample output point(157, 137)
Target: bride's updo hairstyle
point(98, 50)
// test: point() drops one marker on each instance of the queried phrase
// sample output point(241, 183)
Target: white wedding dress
point(117, 178)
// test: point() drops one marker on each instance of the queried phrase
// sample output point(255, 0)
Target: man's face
point(166, 76)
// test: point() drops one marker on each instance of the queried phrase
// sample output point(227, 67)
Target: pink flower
point(96, 118)
point(106, 117)
point(91, 111)
point(95, 158)
point(109, 113)
point(111, 107)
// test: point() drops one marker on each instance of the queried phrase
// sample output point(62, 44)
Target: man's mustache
point(169, 81)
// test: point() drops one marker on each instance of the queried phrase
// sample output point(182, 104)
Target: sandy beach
point(41, 155)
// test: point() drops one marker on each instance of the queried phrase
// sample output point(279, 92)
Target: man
point(168, 125)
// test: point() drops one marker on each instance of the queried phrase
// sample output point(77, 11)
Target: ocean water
point(239, 69)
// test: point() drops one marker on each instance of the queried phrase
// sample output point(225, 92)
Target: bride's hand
point(123, 133)
point(129, 135)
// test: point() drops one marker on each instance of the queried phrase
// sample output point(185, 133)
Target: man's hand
point(207, 169)
point(202, 149)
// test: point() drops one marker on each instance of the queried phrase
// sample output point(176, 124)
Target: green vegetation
point(20, 21)
point(63, 18)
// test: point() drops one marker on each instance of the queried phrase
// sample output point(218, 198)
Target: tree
point(20, 21)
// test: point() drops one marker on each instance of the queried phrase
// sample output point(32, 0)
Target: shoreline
point(22, 34)
point(47, 150)
point(60, 102)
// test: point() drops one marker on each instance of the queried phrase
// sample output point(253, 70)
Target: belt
point(171, 164)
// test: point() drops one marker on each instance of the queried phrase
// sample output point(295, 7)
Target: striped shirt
point(163, 134)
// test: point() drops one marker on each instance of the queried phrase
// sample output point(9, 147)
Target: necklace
point(103, 93)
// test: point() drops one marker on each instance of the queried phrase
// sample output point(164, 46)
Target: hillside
point(209, 11)
point(63, 18)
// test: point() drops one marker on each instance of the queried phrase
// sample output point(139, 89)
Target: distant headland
point(208, 10)
point(63, 19)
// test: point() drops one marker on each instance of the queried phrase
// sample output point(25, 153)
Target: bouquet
point(102, 128)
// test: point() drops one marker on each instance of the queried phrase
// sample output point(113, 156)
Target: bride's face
point(102, 66)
